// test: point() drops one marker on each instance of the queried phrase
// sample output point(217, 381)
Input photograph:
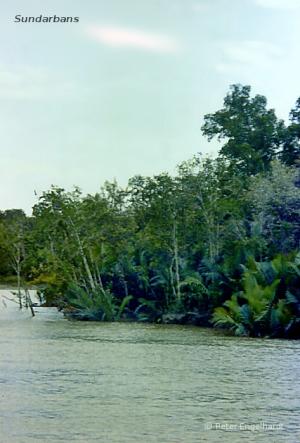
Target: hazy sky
point(124, 91)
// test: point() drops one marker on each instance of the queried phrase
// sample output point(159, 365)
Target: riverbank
point(91, 313)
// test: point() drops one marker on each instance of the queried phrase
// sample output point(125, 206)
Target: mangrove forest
point(217, 244)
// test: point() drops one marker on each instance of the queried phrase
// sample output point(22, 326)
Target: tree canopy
point(215, 244)
point(252, 133)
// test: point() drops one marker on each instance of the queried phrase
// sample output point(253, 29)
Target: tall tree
point(14, 228)
point(252, 133)
point(291, 147)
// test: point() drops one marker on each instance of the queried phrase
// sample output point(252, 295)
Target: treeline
point(217, 244)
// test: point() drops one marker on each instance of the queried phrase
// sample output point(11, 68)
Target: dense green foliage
point(216, 244)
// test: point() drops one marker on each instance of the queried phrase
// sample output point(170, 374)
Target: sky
point(124, 91)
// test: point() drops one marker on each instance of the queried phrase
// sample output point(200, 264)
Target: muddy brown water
point(63, 381)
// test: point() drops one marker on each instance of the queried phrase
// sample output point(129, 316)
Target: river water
point(63, 381)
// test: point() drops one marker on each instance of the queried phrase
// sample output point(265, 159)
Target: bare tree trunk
point(213, 228)
point(172, 278)
point(51, 246)
point(74, 276)
point(176, 260)
point(29, 302)
point(83, 256)
point(99, 278)
point(16, 258)
point(124, 283)
point(19, 289)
